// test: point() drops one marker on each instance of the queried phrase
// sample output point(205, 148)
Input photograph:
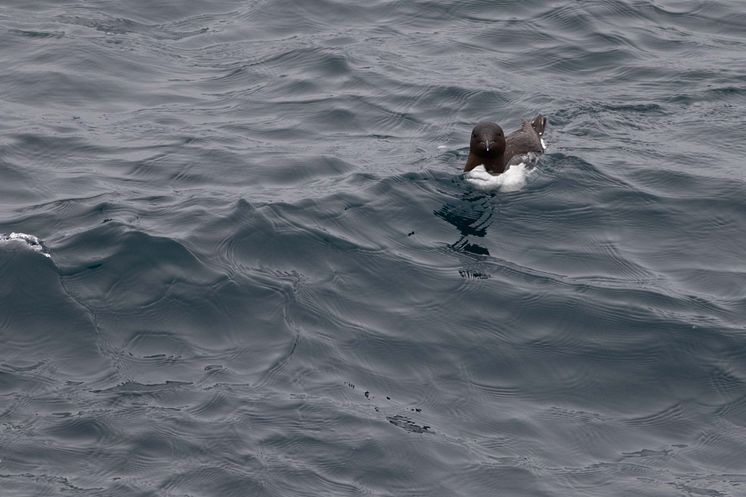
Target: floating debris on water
point(31, 241)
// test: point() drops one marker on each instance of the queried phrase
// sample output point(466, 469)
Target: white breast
point(514, 178)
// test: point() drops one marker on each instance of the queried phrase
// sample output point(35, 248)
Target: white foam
point(30, 241)
point(543, 143)
point(511, 180)
point(442, 147)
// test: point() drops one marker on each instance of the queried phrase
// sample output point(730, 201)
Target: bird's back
point(525, 141)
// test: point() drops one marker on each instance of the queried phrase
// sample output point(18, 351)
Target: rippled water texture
point(268, 276)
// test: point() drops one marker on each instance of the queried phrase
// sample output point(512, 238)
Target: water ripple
point(268, 275)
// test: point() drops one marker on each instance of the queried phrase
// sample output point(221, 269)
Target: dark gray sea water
point(269, 277)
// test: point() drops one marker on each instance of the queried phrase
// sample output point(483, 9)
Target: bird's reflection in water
point(472, 214)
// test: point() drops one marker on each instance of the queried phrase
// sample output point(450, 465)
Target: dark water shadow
point(471, 214)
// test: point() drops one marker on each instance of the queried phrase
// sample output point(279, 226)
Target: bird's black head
point(487, 147)
point(487, 140)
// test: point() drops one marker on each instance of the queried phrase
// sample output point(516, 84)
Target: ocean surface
point(268, 276)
